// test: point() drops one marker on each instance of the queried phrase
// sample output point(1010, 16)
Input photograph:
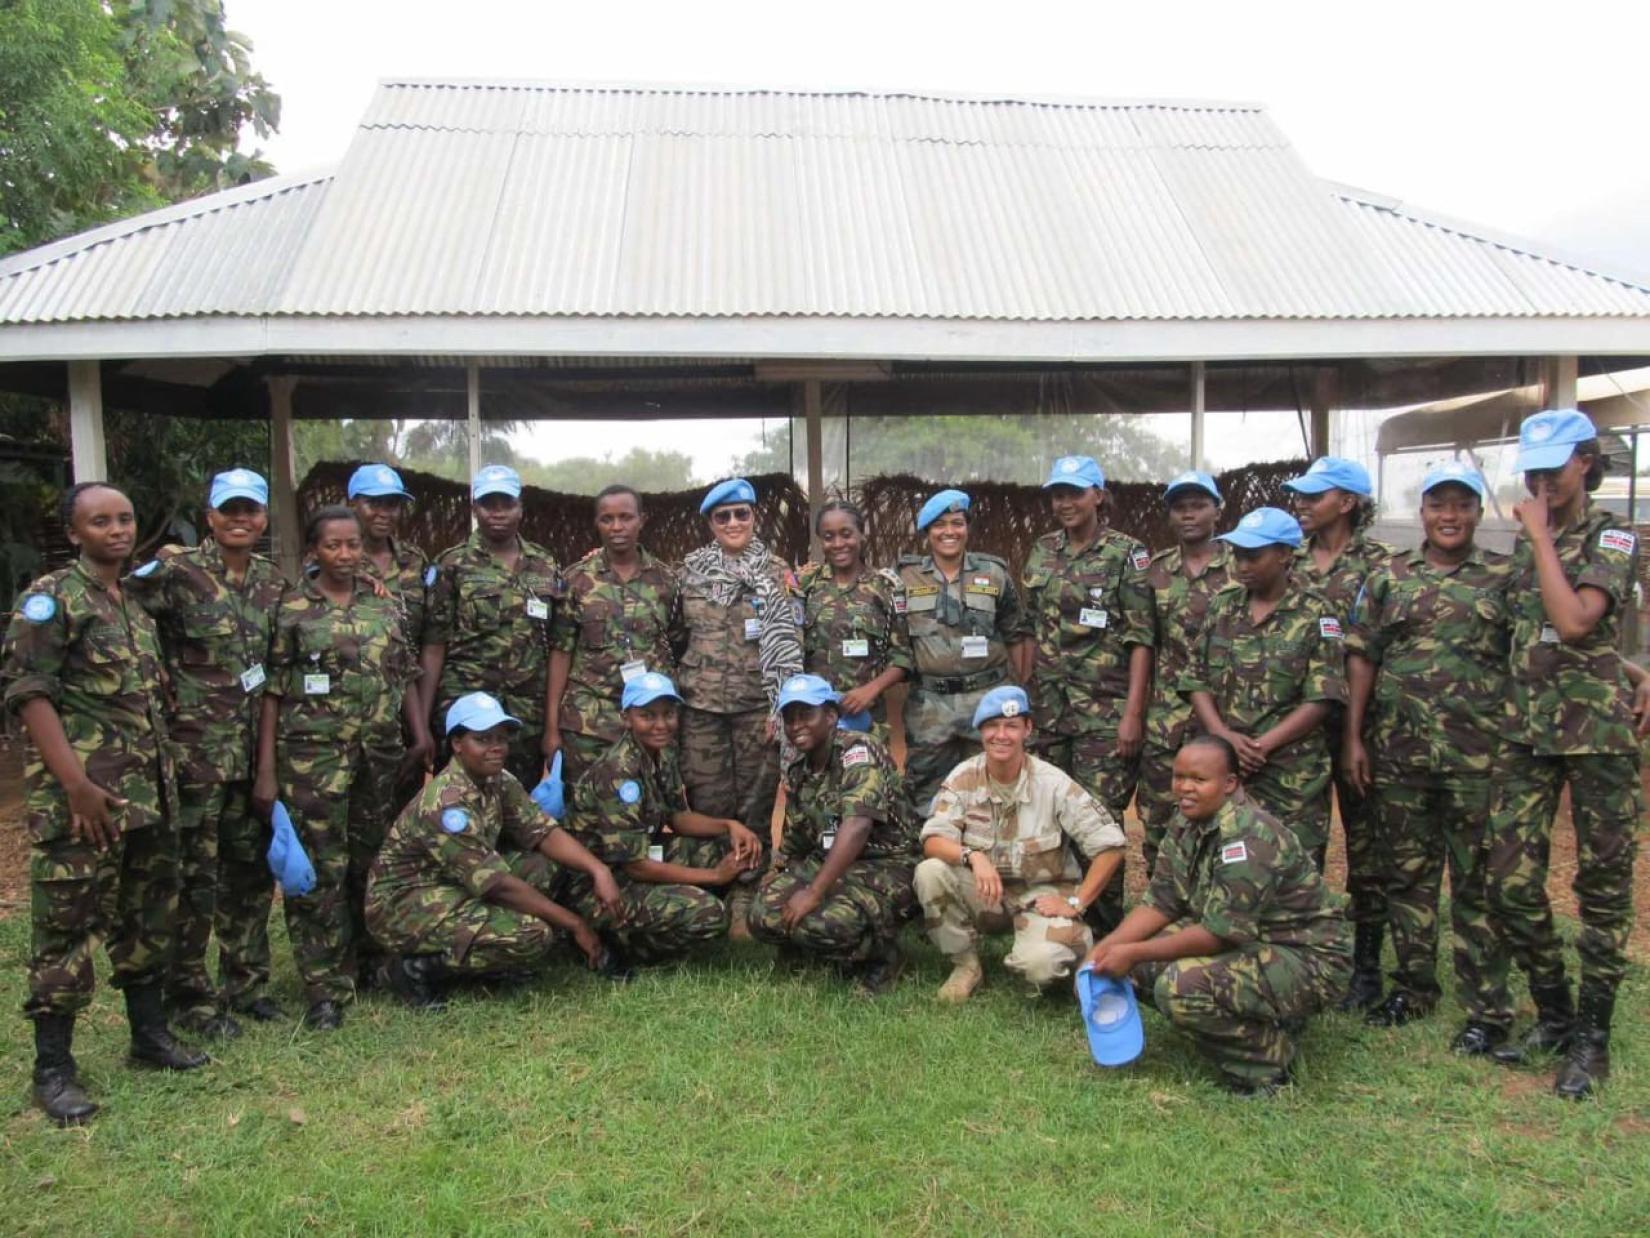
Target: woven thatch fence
point(1007, 518)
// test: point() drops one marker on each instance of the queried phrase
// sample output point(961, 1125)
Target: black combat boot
point(1400, 1007)
point(152, 1042)
point(1478, 1039)
point(416, 980)
point(1587, 1060)
point(1365, 990)
point(1555, 1018)
point(57, 1090)
point(880, 973)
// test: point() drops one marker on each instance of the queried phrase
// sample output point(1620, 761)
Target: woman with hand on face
point(329, 748)
point(611, 627)
point(1266, 670)
point(81, 667)
point(739, 638)
point(1571, 724)
point(853, 632)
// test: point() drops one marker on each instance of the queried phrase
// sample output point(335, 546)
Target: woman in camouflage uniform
point(1569, 724)
point(82, 670)
point(329, 746)
point(853, 625)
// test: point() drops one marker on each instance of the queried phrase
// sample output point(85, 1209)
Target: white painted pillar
point(813, 410)
point(1559, 382)
point(283, 485)
point(472, 406)
point(86, 442)
point(1199, 408)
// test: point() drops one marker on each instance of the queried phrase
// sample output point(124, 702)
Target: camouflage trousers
point(657, 922)
point(474, 937)
point(223, 884)
point(1366, 860)
point(578, 753)
point(1045, 948)
point(939, 736)
point(1427, 821)
point(342, 800)
point(860, 912)
point(125, 897)
point(1295, 790)
point(1234, 1005)
point(1154, 799)
point(1605, 807)
point(730, 770)
point(1091, 761)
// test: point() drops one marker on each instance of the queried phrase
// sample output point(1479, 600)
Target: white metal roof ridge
point(1527, 247)
point(177, 212)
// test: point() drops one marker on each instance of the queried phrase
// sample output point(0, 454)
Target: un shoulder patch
point(1329, 628)
point(148, 569)
point(630, 791)
point(859, 754)
point(455, 820)
point(430, 573)
point(1617, 539)
point(38, 607)
point(1234, 853)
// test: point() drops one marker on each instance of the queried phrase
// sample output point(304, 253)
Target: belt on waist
point(948, 685)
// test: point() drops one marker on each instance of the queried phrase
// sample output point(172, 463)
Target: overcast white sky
point(1525, 117)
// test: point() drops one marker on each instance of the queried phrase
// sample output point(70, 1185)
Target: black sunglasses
point(725, 515)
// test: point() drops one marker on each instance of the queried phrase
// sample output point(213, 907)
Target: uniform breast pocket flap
point(1043, 858)
point(481, 608)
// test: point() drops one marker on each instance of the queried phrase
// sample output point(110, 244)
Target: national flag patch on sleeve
point(1141, 558)
point(1617, 539)
point(1329, 628)
point(859, 754)
point(1234, 853)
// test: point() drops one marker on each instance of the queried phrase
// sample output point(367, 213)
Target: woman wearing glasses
point(739, 638)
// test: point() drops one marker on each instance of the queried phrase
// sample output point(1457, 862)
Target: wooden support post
point(1325, 391)
point(283, 485)
point(472, 412)
point(89, 451)
point(1558, 382)
point(813, 410)
point(1200, 406)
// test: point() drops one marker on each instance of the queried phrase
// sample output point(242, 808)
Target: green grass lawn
point(726, 1097)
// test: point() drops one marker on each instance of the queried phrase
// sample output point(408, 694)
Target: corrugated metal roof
point(473, 198)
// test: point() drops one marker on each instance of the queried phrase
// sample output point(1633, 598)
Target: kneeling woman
point(329, 746)
point(622, 805)
point(1237, 939)
point(842, 875)
point(442, 897)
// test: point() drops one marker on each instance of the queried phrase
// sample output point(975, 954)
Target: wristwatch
point(967, 855)
point(1075, 903)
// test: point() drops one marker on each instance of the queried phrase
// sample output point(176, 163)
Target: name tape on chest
point(859, 754)
point(1329, 628)
point(1234, 853)
point(1617, 539)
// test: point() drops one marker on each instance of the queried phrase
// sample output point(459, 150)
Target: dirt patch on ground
point(14, 847)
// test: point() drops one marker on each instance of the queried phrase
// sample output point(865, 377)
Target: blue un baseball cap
point(477, 712)
point(733, 490)
point(237, 484)
point(1456, 473)
point(1192, 479)
point(1079, 471)
point(1006, 701)
point(1111, 1017)
point(496, 479)
point(943, 503)
point(1265, 526)
point(1548, 439)
point(807, 690)
point(376, 481)
point(645, 689)
point(1332, 473)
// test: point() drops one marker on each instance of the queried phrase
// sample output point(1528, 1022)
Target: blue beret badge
point(39, 607)
point(629, 792)
point(455, 820)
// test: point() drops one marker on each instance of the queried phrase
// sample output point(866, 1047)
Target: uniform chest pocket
point(208, 621)
point(1283, 662)
point(922, 613)
point(978, 828)
point(1042, 858)
point(107, 661)
point(481, 605)
point(323, 647)
point(979, 612)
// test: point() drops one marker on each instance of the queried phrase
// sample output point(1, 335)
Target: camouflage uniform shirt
point(342, 671)
point(603, 623)
point(494, 623)
point(96, 658)
point(1340, 584)
point(1438, 638)
point(1024, 829)
point(1259, 674)
point(1087, 610)
point(442, 852)
point(851, 635)
point(1181, 603)
point(406, 582)
point(859, 779)
point(623, 802)
point(1571, 699)
point(1247, 880)
point(961, 628)
point(720, 667)
point(215, 638)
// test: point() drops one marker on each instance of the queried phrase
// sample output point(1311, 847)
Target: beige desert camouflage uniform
point(1040, 834)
